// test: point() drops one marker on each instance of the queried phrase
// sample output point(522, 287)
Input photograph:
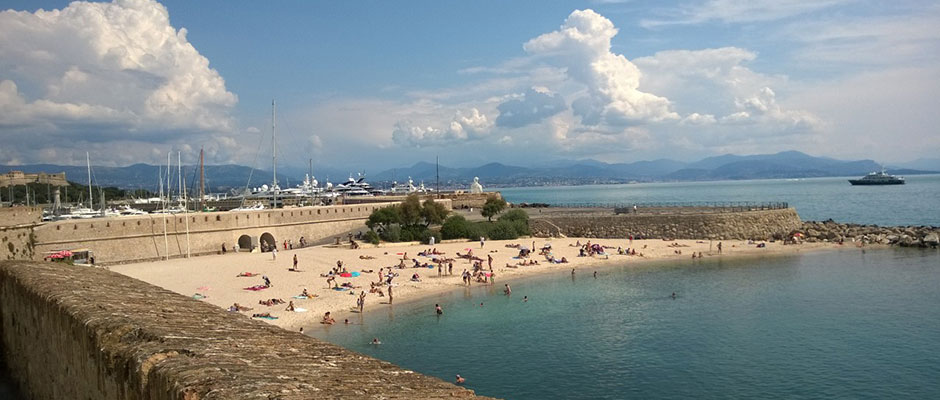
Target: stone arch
point(244, 243)
point(267, 242)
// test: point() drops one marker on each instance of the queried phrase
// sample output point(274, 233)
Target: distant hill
point(787, 164)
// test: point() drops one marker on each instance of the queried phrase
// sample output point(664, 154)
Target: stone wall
point(125, 239)
point(760, 224)
point(17, 243)
point(20, 215)
point(16, 178)
point(70, 332)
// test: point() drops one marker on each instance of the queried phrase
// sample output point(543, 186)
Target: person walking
point(482, 241)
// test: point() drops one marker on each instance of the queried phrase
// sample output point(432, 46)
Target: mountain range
point(788, 164)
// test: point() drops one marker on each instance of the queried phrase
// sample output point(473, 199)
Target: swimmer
point(572, 271)
point(481, 304)
point(376, 341)
point(673, 295)
point(460, 379)
point(595, 274)
point(508, 290)
point(525, 299)
point(438, 309)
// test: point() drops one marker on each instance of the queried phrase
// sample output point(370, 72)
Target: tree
point(384, 217)
point(455, 227)
point(494, 205)
point(411, 211)
point(433, 212)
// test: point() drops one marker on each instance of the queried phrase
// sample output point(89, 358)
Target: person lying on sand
point(263, 315)
point(349, 285)
point(327, 319)
point(247, 274)
point(508, 265)
point(361, 257)
point(237, 307)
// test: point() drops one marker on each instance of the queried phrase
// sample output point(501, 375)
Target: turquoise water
point(914, 203)
point(840, 325)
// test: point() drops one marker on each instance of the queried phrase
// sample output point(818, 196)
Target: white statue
point(476, 187)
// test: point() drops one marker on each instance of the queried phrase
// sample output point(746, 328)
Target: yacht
point(878, 178)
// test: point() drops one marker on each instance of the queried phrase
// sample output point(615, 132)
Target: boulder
point(932, 239)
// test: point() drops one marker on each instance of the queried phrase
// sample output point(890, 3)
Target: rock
point(932, 239)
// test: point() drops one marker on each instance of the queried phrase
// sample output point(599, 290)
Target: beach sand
point(216, 276)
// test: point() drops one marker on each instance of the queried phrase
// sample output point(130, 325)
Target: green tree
point(433, 213)
point(455, 227)
point(494, 205)
point(411, 211)
point(381, 219)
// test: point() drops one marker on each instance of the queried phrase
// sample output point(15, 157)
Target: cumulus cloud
point(582, 47)
point(531, 107)
point(762, 108)
point(463, 127)
point(100, 71)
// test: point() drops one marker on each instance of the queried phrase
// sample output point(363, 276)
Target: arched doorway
point(244, 243)
point(267, 242)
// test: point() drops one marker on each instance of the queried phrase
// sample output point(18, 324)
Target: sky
point(376, 84)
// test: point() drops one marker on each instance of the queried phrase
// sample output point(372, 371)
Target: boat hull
point(861, 182)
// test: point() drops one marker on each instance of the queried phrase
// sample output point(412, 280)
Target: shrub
point(371, 237)
point(455, 227)
point(392, 233)
point(515, 215)
point(428, 234)
point(502, 230)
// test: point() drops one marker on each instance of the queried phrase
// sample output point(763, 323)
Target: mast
point(437, 172)
point(274, 146)
point(202, 180)
point(91, 202)
point(185, 209)
point(179, 175)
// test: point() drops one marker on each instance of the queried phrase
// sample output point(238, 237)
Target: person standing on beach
point(450, 268)
point(719, 247)
point(482, 241)
point(362, 301)
point(440, 270)
point(274, 253)
point(489, 260)
point(295, 262)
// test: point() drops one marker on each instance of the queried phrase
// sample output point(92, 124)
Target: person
point(438, 310)
point(595, 274)
point(431, 241)
point(489, 261)
point(440, 270)
point(634, 208)
point(290, 306)
point(267, 282)
point(673, 295)
point(482, 241)
point(376, 341)
point(274, 253)
point(572, 272)
point(305, 293)
point(331, 281)
point(295, 263)
point(719, 247)
point(362, 301)
point(525, 299)
point(460, 380)
point(223, 248)
point(450, 268)
point(389, 294)
point(508, 290)
point(328, 319)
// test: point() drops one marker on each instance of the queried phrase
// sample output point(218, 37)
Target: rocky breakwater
point(906, 236)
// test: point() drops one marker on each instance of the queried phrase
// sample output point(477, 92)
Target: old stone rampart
point(70, 332)
point(757, 224)
point(20, 215)
point(125, 239)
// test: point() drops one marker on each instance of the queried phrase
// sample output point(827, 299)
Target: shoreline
point(215, 276)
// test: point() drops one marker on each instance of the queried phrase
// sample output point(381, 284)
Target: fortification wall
point(70, 332)
point(16, 178)
point(19, 215)
point(16, 243)
point(758, 224)
point(124, 239)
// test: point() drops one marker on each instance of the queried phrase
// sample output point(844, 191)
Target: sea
point(843, 324)
point(816, 199)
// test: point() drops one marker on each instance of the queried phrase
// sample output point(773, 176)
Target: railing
point(676, 207)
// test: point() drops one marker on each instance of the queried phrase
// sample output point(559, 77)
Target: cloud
point(100, 71)
point(474, 125)
point(582, 47)
point(532, 107)
point(738, 11)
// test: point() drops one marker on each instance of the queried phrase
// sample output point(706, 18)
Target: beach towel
point(199, 296)
point(266, 317)
point(354, 274)
point(247, 274)
point(256, 288)
point(340, 289)
point(301, 297)
point(298, 309)
point(345, 275)
point(204, 288)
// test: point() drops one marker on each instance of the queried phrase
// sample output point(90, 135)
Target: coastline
point(215, 276)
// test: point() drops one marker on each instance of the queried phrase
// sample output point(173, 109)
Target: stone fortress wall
point(756, 224)
point(72, 332)
point(16, 178)
point(125, 239)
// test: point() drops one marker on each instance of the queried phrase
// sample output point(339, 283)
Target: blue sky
point(385, 84)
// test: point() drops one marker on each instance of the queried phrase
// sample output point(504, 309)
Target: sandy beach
point(216, 277)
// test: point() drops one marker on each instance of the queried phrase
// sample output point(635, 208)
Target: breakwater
point(680, 223)
point(905, 236)
point(70, 332)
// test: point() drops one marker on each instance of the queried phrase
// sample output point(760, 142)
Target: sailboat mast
point(274, 146)
point(91, 202)
point(179, 175)
point(202, 180)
